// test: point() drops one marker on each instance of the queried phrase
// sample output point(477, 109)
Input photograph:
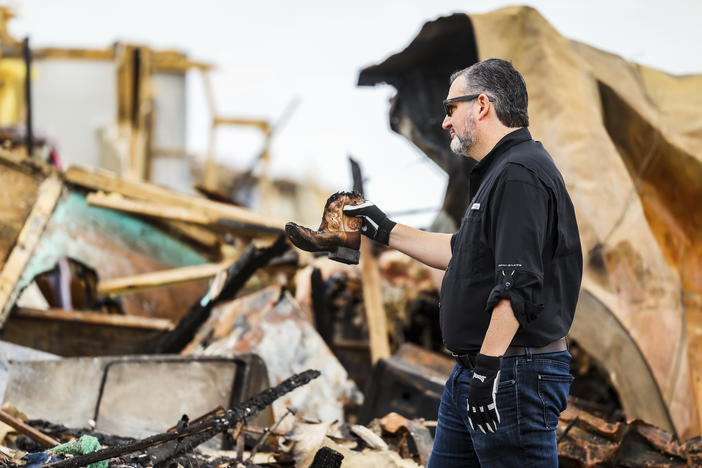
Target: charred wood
point(327, 458)
point(188, 437)
point(237, 275)
point(323, 320)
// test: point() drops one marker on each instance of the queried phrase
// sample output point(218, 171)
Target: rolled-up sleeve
point(519, 219)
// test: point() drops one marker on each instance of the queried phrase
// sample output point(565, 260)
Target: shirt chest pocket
point(471, 252)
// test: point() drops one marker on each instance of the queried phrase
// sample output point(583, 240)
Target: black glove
point(376, 225)
point(482, 406)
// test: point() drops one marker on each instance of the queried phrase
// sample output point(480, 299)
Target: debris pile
point(146, 327)
point(268, 312)
point(587, 440)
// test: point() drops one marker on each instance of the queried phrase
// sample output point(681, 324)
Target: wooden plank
point(210, 180)
point(28, 430)
point(49, 193)
point(373, 302)
point(179, 65)
point(95, 318)
point(154, 209)
point(106, 181)
point(263, 125)
point(109, 182)
point(158, 279)
point(196, 233)
point(73, 54)
point(18, 159)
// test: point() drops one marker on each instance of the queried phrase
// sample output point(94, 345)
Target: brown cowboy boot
point(340, 235)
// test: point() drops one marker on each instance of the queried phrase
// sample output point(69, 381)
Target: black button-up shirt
point(518, 240)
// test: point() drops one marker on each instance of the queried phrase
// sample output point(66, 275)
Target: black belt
point(468, 360)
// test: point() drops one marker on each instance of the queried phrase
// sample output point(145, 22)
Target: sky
point(271, 53)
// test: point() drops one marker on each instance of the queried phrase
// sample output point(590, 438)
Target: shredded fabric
point(85, 444)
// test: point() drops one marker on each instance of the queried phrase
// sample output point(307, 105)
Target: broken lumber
point(192, 435)
point(49, 193)
point(153, 209)
point(195, 233)
point(371, 282)
point(158, 279)
point(20, 160)
point(226, 215)
point(27, 430)
point(179, 213)
point(96, 318)
point(373, 302)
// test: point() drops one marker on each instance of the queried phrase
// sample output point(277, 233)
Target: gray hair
point(499, 79)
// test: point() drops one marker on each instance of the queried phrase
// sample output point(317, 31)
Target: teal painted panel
point(107, 240)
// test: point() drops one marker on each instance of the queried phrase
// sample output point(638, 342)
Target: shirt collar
point(505, 143)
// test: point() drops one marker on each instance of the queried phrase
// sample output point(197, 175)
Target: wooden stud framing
point(96, 318)
point(49, 193)
point(159, 279)
point(373, 301)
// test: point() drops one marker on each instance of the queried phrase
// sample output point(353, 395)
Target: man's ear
point(483, 106)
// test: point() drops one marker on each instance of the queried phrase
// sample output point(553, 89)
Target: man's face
point(461, 123)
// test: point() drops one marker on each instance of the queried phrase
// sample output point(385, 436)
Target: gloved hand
point(482, 405)
point(376, 224)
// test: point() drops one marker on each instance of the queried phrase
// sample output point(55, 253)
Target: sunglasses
point(468, 97)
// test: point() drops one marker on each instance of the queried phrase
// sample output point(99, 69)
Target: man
point(513, 273)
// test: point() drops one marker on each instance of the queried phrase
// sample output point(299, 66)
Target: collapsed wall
point(628, 141)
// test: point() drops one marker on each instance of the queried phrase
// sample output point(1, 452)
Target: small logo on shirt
point(479, 377)
point(475, 206)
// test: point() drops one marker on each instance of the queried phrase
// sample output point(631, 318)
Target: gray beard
point(461, 145)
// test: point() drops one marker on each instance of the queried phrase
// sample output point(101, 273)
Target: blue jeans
point(533, 391)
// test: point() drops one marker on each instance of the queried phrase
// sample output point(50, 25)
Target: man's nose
point(446, 124)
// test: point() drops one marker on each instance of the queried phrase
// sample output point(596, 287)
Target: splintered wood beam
point(195, 233)
point(152, 209)
point(226, 215)
point(28, 430)
point(74, 54)
point(263, 125)
point(48, 194)
point(110, 182)
point(373, 302)
point(19, 160)
point(198, 216)
point(159, 279)
point(95, 318)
